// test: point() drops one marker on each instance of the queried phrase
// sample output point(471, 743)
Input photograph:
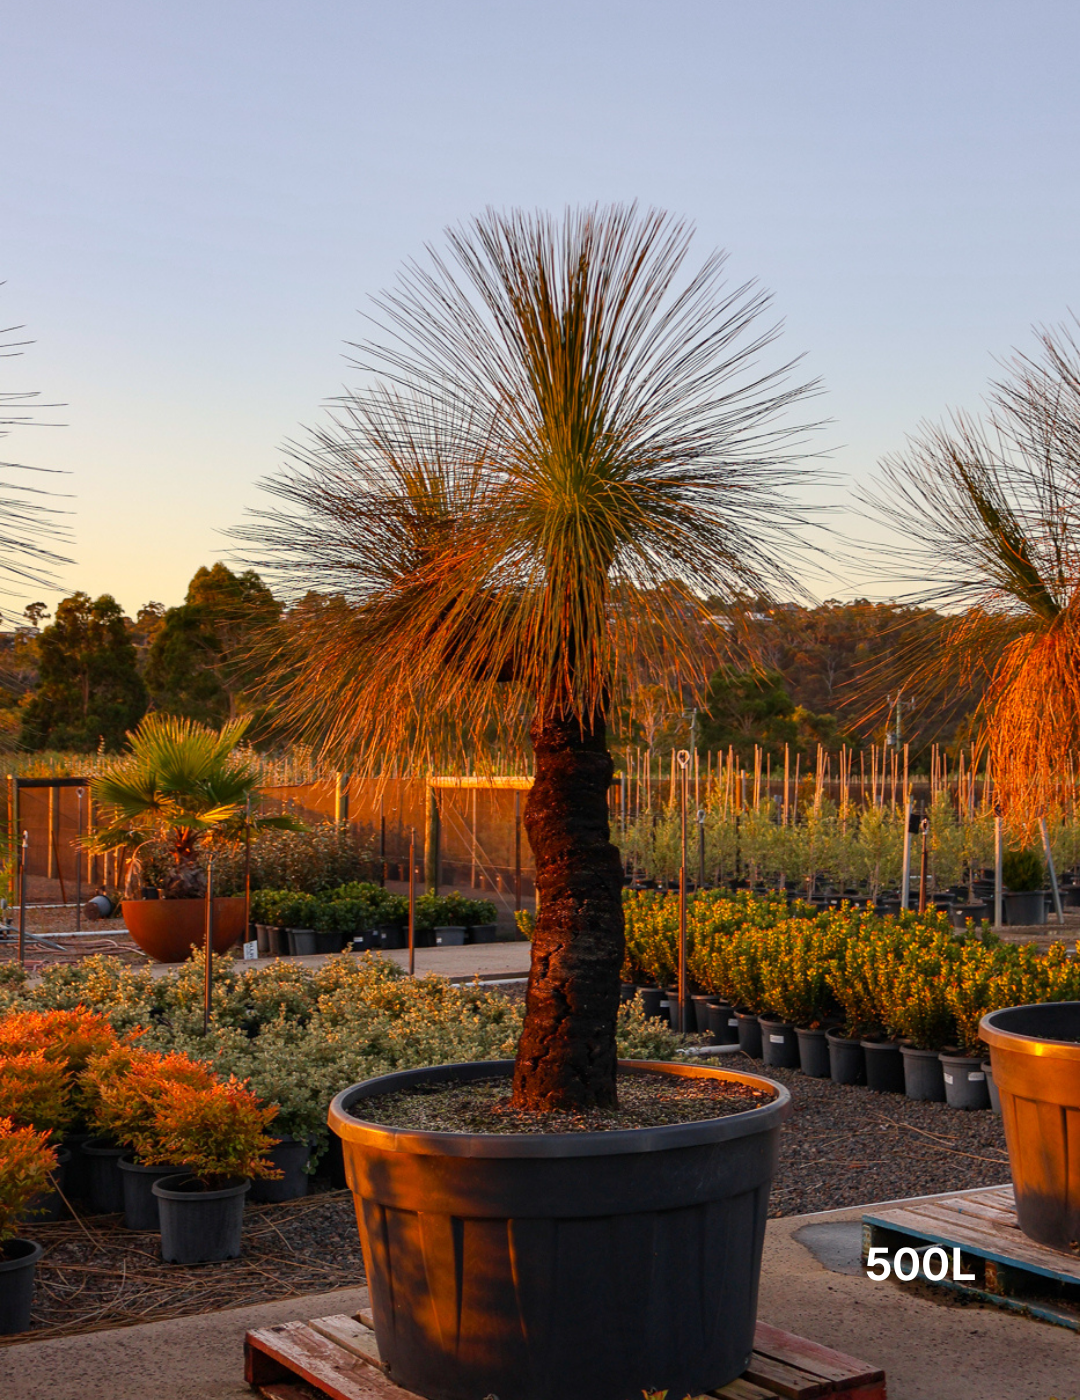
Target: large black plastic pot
point(965, 1081)
point(140, 1203)
point(1024, 908)
point(723, 1024)
point(104, 1184)
point(570, 1266)
point(779, 1044)
point(49, 1205)
point(884, 1066)
point(847, 1063)
point(749, 1033)
point(18, 1260)
point(199, 1226)
point(923, 1078)
point(290, 1155)
point(813, 1052)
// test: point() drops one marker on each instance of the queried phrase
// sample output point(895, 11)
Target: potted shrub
point(1024, 875)
point(181, 788)
point(34, 1094)
point(26, 1161)
point(219, 1132)
point(927, 1025)
point(67, 1039)
point(124, 1086)
point(540, 486)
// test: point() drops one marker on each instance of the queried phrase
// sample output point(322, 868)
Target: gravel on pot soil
point(484, 1106)
point(845, 1145)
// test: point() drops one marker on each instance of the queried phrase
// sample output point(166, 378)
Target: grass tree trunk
point(567, 1057)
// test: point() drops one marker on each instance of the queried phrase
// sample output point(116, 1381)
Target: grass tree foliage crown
point(563, 448)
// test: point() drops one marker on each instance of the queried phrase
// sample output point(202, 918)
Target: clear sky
point(196, 199)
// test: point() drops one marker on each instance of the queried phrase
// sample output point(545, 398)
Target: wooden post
point(51, 855)
point(412, 903)
point(431, 842)
point(341, 798)
point(208, 947)
point(78, 862)
point(517, 849)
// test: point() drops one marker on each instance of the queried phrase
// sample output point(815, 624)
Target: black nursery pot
point(49, 1205)
point(104, 1184)
point(18, 1260)
point(652, 1003)
point(779, 1044)
point(923, 1078)
point(290, 1155)
point(847, 1063)
point(199, 1226)
point(749, 1033)
point(723, 1023)
point(562, 1266)
point(884, 1066)
point(140, 1203)
point(813, 1052)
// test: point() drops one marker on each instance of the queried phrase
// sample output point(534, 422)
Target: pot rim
point(1000, 1039)
point(24, 1261)
point(532, 1145)
point(102, 1147)
point(128, 1164)
point(239, 1187)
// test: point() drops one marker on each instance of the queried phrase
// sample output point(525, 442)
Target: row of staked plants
point(851, 846)
point(912, 976)
point(359, 906)
point(285, 1038)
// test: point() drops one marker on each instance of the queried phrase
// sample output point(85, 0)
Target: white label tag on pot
point(976, 1075)
point(665, 1003)
point(251, 950)
point(733, 1021)
point(948, 1079)
point(776, 1039)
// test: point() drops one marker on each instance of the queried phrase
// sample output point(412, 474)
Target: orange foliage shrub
point(219, 1132)
point(123, 1087)
point(26, 1159)
point(34, 1091)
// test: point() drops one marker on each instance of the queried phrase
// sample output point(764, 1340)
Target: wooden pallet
point(1011, 1271)
point(338, 1357)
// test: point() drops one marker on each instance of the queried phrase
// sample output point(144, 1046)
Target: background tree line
point(781, 675)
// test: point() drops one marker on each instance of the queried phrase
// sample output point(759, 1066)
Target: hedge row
point(911, 976)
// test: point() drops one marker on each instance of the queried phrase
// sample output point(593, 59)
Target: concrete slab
point(930, 1350)
point(484, 960)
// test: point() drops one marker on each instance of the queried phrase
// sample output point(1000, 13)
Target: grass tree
point(563, 448)
point(989, 511)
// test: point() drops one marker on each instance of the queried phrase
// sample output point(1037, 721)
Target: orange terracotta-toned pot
point(1035, 1055)
point(168, 929)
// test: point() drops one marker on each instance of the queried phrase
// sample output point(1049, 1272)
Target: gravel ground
point(847, 1146)
point(95, 1274)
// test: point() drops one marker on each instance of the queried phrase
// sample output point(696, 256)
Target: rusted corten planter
point(570, 1266)
point(168, 929)
point(1035, 1055)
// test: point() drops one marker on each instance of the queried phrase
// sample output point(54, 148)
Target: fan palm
point(991, 511)
point(561, 454)
point(182, 786)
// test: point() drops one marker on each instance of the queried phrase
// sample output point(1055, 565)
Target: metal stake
point(207, 978)
point(1053, 873)
point(22, 895)
point(412, 902)
point(684, 765)
point(78, 865)
point(998, 858)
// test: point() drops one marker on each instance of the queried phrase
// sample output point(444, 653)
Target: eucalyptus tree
point(563, 447)
point(986, 512)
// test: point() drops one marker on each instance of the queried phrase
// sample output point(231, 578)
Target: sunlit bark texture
point(567, 1052)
